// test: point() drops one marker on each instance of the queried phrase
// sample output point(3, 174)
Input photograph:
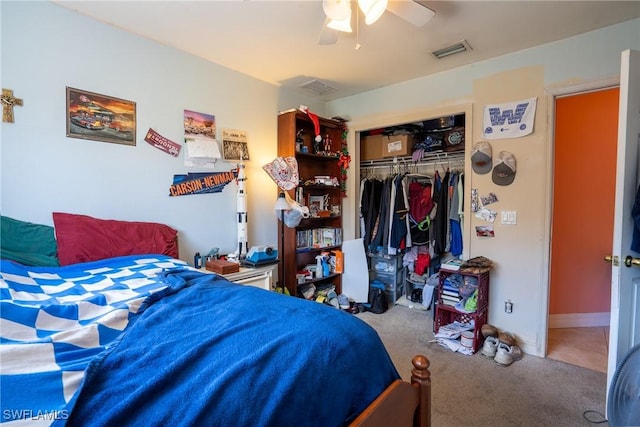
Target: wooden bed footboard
point(402, 403)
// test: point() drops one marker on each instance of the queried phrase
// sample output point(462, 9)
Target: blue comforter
point(205, 351)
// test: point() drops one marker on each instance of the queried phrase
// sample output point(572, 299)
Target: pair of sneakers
point(500, 352)
point(499, 346)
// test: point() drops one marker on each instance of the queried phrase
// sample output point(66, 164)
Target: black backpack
point(378, 301)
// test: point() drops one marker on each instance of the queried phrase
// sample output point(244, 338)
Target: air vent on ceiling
point(460, 47)
point(318, 87)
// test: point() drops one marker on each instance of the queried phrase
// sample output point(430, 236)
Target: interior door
point(625, 279)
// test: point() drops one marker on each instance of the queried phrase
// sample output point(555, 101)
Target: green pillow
point(28, 243)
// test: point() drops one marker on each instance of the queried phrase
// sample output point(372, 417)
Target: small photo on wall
point(100, 117)
point(235, 144)
point(485, 231)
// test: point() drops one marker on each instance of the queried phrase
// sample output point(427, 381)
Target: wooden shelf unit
point(446, 314)
point(310, 164)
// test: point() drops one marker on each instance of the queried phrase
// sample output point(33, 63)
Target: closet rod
point(415, 167)
point(427, 158)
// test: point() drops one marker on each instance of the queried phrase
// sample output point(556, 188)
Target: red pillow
point(83, 238)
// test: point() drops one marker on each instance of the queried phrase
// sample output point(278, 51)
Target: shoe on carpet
point(343, 301)
point(490, 347)
point(504, 354)
point(516, 353)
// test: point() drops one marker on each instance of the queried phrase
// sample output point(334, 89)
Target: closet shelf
point(427, 158)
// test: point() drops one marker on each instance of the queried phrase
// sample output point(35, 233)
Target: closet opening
point(411, 203)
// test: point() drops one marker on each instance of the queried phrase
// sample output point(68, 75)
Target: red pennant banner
point(162, 143)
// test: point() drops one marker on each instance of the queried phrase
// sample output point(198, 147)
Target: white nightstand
point(260, 277)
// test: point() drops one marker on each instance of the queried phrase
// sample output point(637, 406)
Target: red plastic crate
point(446, 314)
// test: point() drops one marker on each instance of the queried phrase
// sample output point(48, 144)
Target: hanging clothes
point(399, 226)
point(440, 222)
point(380, 231)
point(420, 206)
point(370, 207)
point(455, 244)
point(420, 201)
point(362, 210)
point(461, 196)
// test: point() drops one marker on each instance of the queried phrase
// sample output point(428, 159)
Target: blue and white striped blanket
point(54, 321)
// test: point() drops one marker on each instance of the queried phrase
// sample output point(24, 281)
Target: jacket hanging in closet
point(455, 244)
point(380, 232)
point(420, 207)
point(440, 222)
point(399, 237)
point(370, 207)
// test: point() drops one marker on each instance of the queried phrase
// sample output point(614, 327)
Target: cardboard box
point(371, 147)
point(397, 145)
point(221, 266)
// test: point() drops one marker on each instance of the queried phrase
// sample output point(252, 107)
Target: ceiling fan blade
point(328, 35)
point(411, 11)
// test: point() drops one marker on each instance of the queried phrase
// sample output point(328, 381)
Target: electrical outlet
point(508, 307)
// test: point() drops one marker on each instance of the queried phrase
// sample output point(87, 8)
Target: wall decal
point(200, 183)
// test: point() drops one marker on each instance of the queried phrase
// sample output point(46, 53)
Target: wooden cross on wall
point(8, 101)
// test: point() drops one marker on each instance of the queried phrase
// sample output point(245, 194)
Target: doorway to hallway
point(584, 171)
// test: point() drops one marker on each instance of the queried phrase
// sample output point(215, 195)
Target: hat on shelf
point(504, 171)
point(314, 120)
point(481, 157)
point(284, 172)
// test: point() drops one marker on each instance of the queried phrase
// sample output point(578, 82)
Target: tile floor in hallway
point(586, 347)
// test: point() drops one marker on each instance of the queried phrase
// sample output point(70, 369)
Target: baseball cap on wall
point(481, 157)
point(504, 171)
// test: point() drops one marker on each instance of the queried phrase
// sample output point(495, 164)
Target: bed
point(145, 339)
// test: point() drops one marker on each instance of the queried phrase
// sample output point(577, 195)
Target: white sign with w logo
point(510, 120)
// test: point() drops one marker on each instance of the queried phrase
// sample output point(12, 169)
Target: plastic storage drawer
point(393, 283)
point(386, 264)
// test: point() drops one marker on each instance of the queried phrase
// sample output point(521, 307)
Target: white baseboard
point(578, 320)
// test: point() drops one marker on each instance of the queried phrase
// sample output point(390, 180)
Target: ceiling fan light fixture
point(337, 10)
point(344, 25)
point(372, 9)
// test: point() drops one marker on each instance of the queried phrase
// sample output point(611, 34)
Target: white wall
point(520, 252)
point(46, 48)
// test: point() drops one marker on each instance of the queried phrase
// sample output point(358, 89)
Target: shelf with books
point(448, 296)
point(319, 188)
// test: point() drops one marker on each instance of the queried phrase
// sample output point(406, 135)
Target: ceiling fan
point(338, 15)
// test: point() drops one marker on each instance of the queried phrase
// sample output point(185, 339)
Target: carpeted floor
point(475, 391)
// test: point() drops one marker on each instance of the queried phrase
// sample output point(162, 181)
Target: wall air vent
point(318, 87)
point(460, 47)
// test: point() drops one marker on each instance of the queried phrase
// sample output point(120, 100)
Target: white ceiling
point(277, 41)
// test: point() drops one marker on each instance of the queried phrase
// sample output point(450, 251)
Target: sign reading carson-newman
point(198, 183)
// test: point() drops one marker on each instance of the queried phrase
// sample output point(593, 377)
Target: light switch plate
point(508, 217)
